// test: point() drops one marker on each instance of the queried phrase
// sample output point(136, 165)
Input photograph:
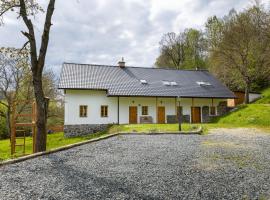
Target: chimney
point(121, 63)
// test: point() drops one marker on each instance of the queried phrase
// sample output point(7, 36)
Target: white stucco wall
point(94, 99)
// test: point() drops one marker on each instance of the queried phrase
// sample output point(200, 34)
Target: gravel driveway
point(226, 164)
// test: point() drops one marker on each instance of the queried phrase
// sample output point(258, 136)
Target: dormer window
point(143, 81)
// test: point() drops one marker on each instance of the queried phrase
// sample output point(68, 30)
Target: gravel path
point(226, 164)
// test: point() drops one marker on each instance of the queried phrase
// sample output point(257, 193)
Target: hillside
point(255, 114)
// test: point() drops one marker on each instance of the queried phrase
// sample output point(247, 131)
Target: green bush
point(3, 128)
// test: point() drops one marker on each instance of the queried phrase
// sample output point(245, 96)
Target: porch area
point(139, 110)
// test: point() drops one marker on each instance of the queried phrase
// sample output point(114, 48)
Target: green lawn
point(54, 140)
point(152, 128)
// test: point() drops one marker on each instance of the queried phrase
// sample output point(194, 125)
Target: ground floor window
point(83, 111)
point(144, 110)
point(104, 111)
point(212, 110)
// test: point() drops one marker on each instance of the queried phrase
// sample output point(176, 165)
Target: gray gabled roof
point(126, 81)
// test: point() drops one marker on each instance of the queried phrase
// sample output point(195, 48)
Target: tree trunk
point(8, 122)
point(42, 112)
point(247, 93)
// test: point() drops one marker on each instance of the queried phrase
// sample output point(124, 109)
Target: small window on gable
point(83, 111)
point(144, 110)
point(212, 110)
point(104, 111)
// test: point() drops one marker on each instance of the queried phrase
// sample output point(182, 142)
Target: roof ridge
point(157, 68)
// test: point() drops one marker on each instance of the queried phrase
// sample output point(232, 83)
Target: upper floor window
point(83, 111)
point(144, 110)
point(104, 111)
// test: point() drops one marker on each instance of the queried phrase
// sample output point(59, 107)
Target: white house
point(98, 95)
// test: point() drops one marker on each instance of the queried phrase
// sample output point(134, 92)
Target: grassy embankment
point(256, 114)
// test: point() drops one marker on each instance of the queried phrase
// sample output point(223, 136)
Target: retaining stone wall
point(186, 118)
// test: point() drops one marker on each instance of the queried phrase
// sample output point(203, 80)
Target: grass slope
point(256, 114)
point(253, 114)
point(265, 97)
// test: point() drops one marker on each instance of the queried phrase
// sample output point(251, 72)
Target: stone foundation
point(222, 108)
point(83, 129)
point(172, 119)
point(185, 119)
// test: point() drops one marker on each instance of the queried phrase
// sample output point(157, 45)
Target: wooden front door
point(133, 114)
point(196, 114)
point(161, 115)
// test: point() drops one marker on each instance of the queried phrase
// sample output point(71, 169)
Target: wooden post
point(47, 101)
point(118, 110)
point(176, 106)
point(179, 116)
point(13, 129)
point(156, 110)
point(192, 110)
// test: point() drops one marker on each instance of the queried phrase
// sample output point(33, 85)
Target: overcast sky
point(103, 31)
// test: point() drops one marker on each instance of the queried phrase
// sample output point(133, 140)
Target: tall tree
point(14, 70)
point(185, 50)
point(195, 49)
point(172, 50)
point(26, 9)
point(243, 46)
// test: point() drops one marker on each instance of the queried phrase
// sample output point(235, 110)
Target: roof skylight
point(166, 83)
point(173, 83)
point(203, 83)
point(170, 83)
point(143, 81)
